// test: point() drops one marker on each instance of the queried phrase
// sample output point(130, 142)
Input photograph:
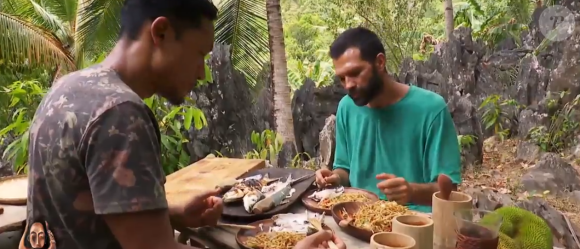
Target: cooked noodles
point(346, 197)
point(377, 216)
point(275, 240)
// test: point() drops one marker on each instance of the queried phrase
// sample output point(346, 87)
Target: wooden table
point(13, 217)
point(226, 237)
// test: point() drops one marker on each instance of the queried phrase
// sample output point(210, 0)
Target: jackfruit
point(522, 229)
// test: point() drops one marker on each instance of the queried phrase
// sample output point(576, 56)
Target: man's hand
point(204, 209)
point(395, 188)
point(326, 177)
point(320, 240)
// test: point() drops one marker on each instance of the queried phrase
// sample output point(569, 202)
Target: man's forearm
point(423, 193)
point(343, 175)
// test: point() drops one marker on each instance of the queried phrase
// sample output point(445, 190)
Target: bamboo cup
point(420, 228)
point(444, 224)
point(391, 240)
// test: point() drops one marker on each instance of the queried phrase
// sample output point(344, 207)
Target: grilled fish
point(328, 193)
point(245, 186)
point(251, 198)
point(281, 193)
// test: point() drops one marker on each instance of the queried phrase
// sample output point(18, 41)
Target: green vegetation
point(268, 145)
point(495, 114)
point(466, 141)
point(43, 40)
point(559, 134)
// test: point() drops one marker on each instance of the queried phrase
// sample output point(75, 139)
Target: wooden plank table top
point(205, 175)
point(12, 218)
point(226, 237)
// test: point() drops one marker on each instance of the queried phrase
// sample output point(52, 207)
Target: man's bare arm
point(143, 230)
point(422, 194)
point(343, 174)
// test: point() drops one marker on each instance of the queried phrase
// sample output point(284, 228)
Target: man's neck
point(131, 71)
point(391, 93)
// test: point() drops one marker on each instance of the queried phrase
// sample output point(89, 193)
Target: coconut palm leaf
point(242, 24)
point(98, 24)
point(22, 41)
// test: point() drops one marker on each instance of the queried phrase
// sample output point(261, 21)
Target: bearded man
point(391, 138)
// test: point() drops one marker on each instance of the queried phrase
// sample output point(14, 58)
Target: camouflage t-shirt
point(94, 150)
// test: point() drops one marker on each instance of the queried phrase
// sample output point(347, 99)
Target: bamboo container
point(391, 240)
point(444, 224)
point(420, 228)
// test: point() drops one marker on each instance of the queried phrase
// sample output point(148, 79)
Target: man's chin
point(359, 101)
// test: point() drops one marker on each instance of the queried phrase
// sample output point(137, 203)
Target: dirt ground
point(501, 172)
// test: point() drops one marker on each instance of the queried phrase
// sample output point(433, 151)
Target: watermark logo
point(557, 23)
point(37, 236)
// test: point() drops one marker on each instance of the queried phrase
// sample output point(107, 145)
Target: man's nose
point(349, 84)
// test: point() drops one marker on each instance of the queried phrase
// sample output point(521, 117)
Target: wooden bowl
point(351, 208)
point(312, 205)
point(244, 234)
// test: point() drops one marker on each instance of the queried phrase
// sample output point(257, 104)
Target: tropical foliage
point(42, 39)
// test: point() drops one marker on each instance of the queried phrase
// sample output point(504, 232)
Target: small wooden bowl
point(351, 208)
point(312, 205)
point(244, 234)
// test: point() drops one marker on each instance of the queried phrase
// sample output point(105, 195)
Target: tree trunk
point(449, 24)
point(283, 123)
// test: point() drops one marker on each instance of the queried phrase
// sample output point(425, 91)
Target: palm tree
point(69, 33)
point(57, 32)
point(242, 24)
point(281, 88)
point(449, 23)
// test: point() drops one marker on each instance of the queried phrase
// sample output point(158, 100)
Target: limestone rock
point(552, 173)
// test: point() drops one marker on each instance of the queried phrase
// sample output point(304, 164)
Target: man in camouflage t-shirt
point(95, 173)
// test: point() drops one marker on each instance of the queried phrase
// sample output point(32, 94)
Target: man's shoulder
point(345, 103)
point(428, 101)
point(80, 98)
point(91, 91)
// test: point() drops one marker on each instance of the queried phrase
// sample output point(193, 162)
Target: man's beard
point(364, 95)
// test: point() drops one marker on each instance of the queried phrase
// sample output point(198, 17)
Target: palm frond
point(242, 25)
point(21, 41)
point(42, 15)
point(97, 27)
point(66, 10)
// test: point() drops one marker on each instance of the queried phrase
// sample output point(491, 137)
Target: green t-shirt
point(414, 139)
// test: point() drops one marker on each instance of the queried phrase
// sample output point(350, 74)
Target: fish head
point(233, 195)
point(251, 199)
point(339, 189)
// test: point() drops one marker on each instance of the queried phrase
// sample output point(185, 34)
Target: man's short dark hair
point(365, 40)
point(181, 13)
point(27, 243)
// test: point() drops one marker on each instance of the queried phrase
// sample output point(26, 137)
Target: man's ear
point(380, 62)
point(160, 27)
